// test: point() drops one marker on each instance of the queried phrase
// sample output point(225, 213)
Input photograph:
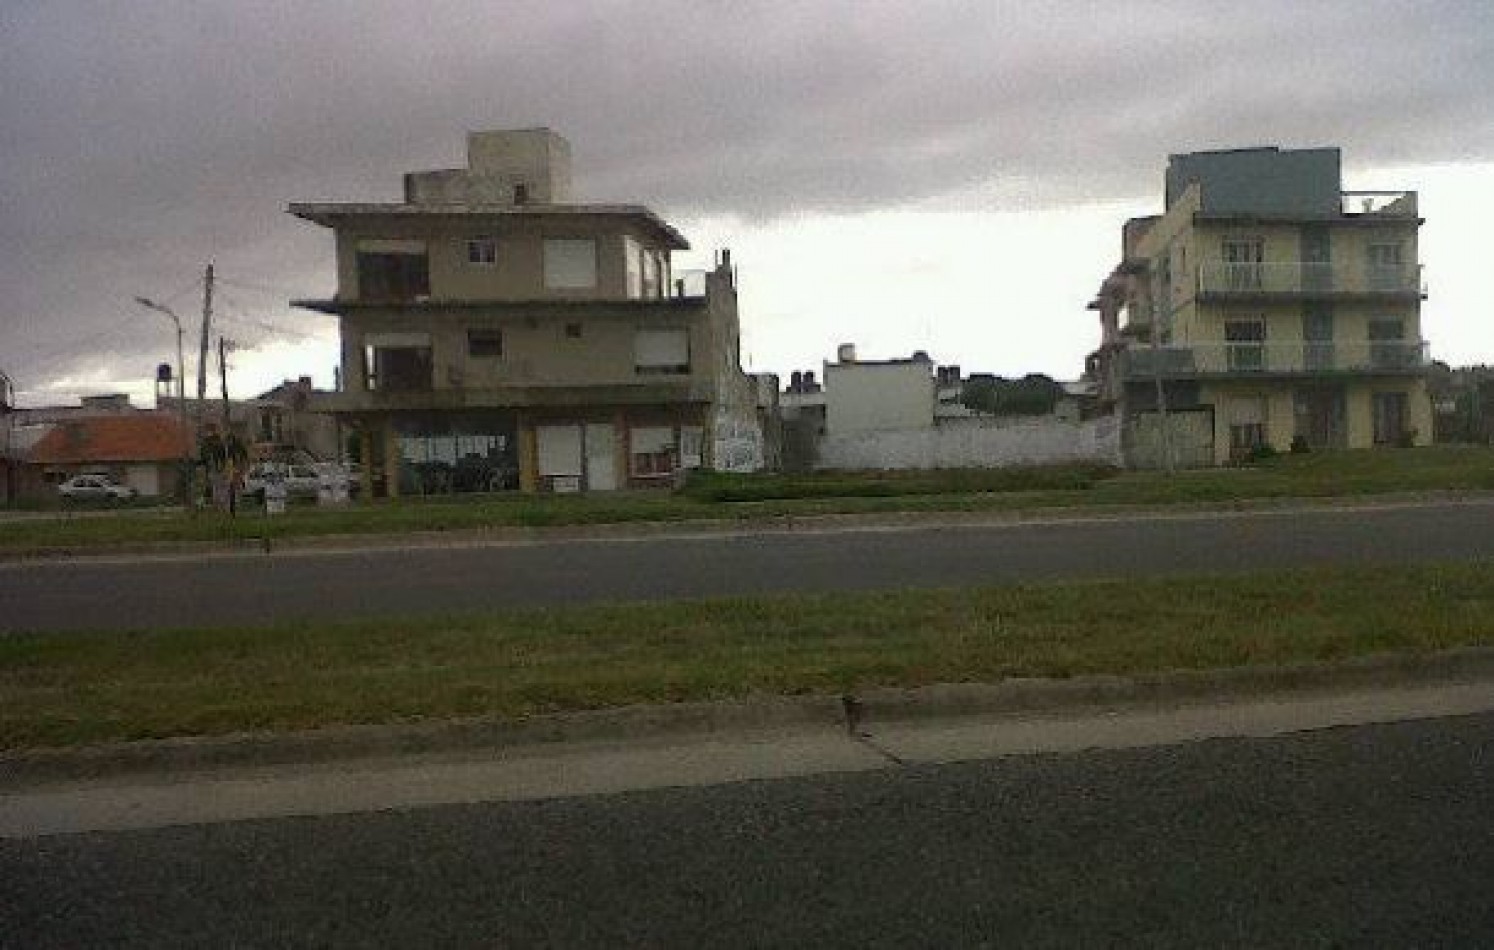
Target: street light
point(189, 496)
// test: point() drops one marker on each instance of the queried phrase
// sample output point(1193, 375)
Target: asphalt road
point(208, 591)
point(1358, 836)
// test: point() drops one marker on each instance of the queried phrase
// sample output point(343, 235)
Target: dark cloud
point(137, 139)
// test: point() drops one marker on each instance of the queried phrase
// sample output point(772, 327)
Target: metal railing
point(1298, 277)
point(1300, 357)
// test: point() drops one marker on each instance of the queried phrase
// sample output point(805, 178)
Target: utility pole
point(229, 463)
point(7, 407)
point(223, 374)
point(202, 360)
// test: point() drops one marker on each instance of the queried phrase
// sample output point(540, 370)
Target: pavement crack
point(866, 739)
point(855, 713)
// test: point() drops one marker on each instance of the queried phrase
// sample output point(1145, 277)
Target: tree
point(1033, 395)
point(224, 458)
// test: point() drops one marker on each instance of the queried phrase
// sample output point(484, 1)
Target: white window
point(570, 264)
point(632, 255)
point(482, 251)
point(1245, 342)
point(1242, 262)
point(662, 351)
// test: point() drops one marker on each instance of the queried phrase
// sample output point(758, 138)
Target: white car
point(94, 487)
point(299, 480)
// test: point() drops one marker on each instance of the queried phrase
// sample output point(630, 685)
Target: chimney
point(846, 353)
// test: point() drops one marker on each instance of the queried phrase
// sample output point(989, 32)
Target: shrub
point(769, 486)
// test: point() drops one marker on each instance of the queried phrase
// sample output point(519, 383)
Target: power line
point(234, 313)
point(283, 292)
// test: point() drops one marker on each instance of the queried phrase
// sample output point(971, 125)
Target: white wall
point(975, 443)
point(862, 397)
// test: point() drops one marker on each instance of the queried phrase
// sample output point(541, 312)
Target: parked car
point(95, 488)
point(300, 481)
point(338, 473)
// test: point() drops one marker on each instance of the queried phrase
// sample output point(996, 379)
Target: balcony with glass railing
point(1309, 278)
point(1298, 358)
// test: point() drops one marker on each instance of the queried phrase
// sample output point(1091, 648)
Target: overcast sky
point(948, 177)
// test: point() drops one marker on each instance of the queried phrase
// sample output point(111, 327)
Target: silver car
point(95, 488)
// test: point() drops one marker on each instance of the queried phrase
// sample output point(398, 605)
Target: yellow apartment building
point(1267, 306)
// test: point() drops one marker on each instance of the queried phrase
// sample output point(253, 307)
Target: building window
point(1245, 345)
point(1386, 267)
point(1387, 344)
point(652, 286)
point(485, 343)
point(662, 352)
point(397, 362)
point(573, 331)
point(393, 271)
point(651, 451)
point(521, 193)
point(570, 264)
point(482, 251)
point(1243, 263)
point(633, 265)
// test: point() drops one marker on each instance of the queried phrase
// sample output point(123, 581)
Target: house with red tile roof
point(142, 450)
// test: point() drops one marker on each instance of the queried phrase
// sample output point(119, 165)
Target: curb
point(517, 535)
point(701, 719)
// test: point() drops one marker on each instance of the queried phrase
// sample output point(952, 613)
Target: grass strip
point(70, 689)
point(757, 498)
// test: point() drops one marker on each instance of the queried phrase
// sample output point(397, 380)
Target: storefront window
point(653, 451)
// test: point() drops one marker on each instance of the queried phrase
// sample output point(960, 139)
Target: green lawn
point(1317, 475)
point(68, 689)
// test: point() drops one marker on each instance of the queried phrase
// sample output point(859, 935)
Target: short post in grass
point(275, 494)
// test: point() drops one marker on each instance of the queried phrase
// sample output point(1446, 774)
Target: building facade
point(1269, 307)
point(496, 335)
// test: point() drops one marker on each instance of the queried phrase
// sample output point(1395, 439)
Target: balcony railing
point(1304, 358)
point(1309, 277)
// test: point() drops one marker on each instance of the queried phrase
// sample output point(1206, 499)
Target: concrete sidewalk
point(516, 773)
